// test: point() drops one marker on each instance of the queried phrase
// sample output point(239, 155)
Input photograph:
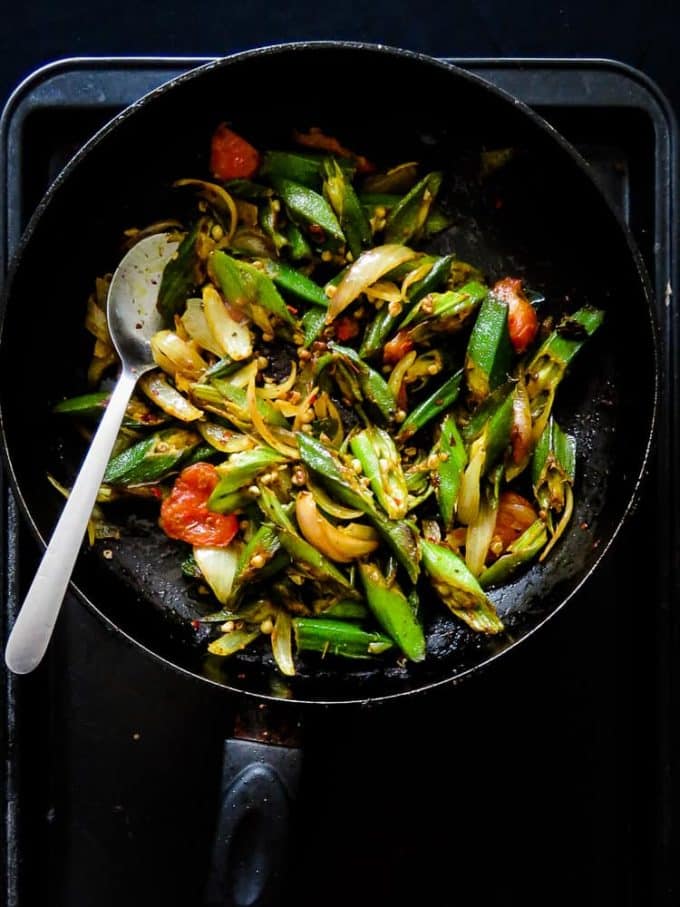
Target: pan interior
point(540, 217)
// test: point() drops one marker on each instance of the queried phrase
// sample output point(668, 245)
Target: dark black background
point(643, 33)
point(383, 768)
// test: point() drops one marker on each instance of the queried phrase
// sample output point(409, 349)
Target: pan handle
point(259, 786)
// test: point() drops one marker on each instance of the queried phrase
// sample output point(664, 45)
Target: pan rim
point(61, 182)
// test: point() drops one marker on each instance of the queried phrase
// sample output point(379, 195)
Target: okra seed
point(307, 416)
point(298, 339)
point(254, 491)
point(217, 232)
point(326, 255)
point(411, 451)
point(380, 211)
point(303, 354)
point(330, 291)
point(394, 308)
point(228, 627)
point(162, 447)
point(356, 465)
point(307, 429)
point(267, 626)
point(432, 369)
point(262, 362)
point(276, 205)
point(400, 415)
point(267, 478)
point(257, 561)
point(384, 465)
point(267, 337)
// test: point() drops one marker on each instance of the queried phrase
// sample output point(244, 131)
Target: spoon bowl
point(132, 319)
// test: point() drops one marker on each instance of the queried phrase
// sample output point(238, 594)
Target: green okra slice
point(458, 588)
point(489, 353)
point(298, 247)
point(342, 610)
point(549, 364)
point(313, 322)
point(381, 464)
point(182, 275)
point(553, 470)
point(300, 167)
point(338, 637)
point(444, 313)
point(520, 552)
point(309, 209)
point(439, 401)
point(296, 283)
point(393, 611)
point(241, 469)
point(236, 397)
point(343, 199)
point(91, 406)
point(269, 221)
point(343, 482)
point(245, 286)
point(152, 458)
point(407, 219)
point(451, 461)
point(373, 386)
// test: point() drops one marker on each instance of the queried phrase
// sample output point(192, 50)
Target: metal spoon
point(133, 319)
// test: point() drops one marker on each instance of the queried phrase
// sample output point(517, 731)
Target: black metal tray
point(113, 762)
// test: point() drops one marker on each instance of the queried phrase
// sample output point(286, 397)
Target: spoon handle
point(35, 622)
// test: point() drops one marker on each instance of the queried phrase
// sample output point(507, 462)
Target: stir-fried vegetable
point(369, 409)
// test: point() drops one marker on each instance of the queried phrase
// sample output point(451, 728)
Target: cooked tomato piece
point(346, 327)
point(231, 157)
point(185, 515)
point(515, 514)
point(396, 348)
point(522, 317)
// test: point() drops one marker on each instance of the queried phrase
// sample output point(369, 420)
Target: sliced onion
point(283, 443)
point(159, 390)
point(339, 545)
point(176, 356)
point(95, 321)
point(218, 566)
point(413, 277)
point(326, 409)
point(369, 267)
point(234, 337)
point(398, 373)
point(282, 643)
point(479, 535)
point(468, 496)
point(243, 376)
point(219, 199)
point(385, 290)
point(195, 324)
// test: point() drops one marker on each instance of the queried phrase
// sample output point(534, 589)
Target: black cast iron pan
point(541, 217)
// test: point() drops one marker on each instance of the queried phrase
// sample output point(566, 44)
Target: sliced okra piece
point(393, 611)
point(343, 482)
point(373, 386)
point(549, 364)
point(297, 284)
point(245, 286)
point(407, 219)
point(338, 637)
point(519, 553)
point(553, 470)
point(269, 222)
point(444, 397)
point(91, 406)
point(342, 610)
point(309, 209)
point(381, 464)
point(300, 167)
point(451, 461)
point(313, 322)
point(458, 588)
point(489, 353)
point(443, 313)
point(298, 247)
point(343, 199)
point(152, 458)
point(241, 469)
point(182, 274)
